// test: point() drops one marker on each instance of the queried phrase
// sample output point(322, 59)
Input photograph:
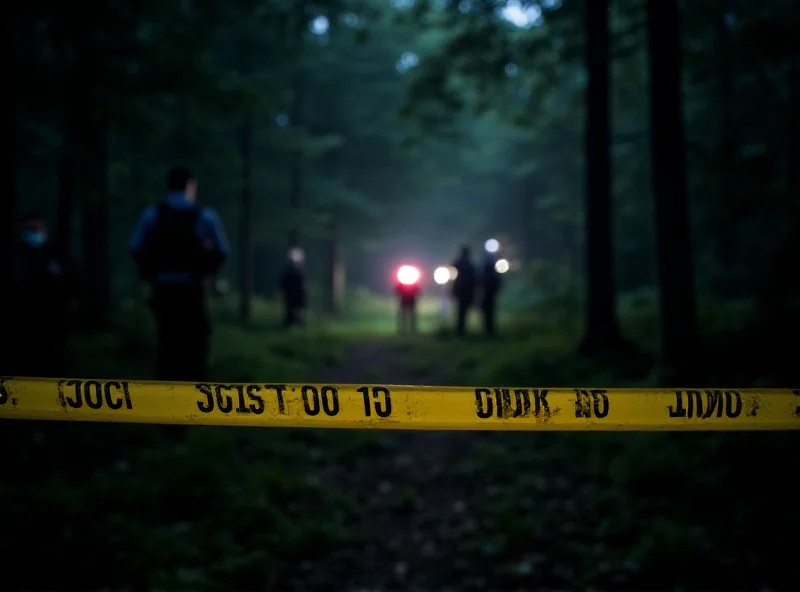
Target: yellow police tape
point(398, 407)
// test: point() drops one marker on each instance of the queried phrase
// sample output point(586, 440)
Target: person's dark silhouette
point(179, 248)
point(463, 288)
point(293, 287)
point(490, 287)
point(40, 305)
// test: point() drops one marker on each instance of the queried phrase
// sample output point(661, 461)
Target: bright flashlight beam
point(408, 275)
point(441, 275)
point(501, 266)
point(492, 245)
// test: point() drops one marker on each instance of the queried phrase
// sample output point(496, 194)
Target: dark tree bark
point(67, 180)
point(678, 316)
point(727, 247)
point(71, 99)
point(335, 267)
point(95, 231)
point(245, 223)
point(245, 209)
point(8, 203)
point(66, 204)
point(793, 112)
point(779, 309)
point(87, 130)
point(602, 330)
point(528, 222)
point(297, 121)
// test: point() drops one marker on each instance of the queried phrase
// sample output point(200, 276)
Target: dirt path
point(413, 510)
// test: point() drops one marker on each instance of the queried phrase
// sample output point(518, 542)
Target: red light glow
point(408, 275)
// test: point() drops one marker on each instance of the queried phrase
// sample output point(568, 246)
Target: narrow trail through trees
point(413, 508)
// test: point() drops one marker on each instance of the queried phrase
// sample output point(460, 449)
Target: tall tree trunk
point(246, 199)
point(780, 283)
point(528, 222)
point(297, 121)
point(90, 153)
point(296, 163)
point(8, 203)
point(137, 174)
point(67, 167)
point(263, 281)
point(790, 246)
point(678, 315)
point(727, 246)
point(334, 293)
point(95, 231)
point(66, 204)
point(602, 330)
point(793, 113)
point(245, 222)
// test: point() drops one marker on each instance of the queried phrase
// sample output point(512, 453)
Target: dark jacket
point(39, 279)
point(466, 280)
point(293, 284)
point(490, 279)
point(174, 247)
point(39, 313)
point(178, 242)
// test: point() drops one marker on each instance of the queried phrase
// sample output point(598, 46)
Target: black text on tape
point(94, 394)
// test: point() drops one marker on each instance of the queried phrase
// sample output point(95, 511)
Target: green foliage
point(146, 507)
point(610, 511)
point(483, 137)
point(243, 355)
point(221, 506)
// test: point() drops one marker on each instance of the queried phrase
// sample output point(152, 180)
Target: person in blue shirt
point(179, 248)
point(40, 305)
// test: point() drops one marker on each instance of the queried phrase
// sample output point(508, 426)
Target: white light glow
point(502, 266)
point(522, 16)
point(492, 245)
point(320, 25)
point(407, 61)
point(441, 275)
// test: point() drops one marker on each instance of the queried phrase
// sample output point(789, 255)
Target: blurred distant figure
point(463, 288)
point(407, 286)
point(293, 286)
point(490, 287)
point(179, 247)
point(40, 304)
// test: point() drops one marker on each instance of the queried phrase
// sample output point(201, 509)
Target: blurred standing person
point(179, 247)
point(293, 286)
point(407, 287)
point(40, 304)
point(490, 287)
point(463, 288)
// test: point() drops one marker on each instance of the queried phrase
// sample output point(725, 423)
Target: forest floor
point(129, 507)
point(412, 505)
point(448, 511)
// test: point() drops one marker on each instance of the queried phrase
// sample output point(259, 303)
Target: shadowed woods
point(313, 509)
point(636, 163)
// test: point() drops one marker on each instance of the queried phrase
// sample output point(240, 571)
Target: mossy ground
point(130, 507)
